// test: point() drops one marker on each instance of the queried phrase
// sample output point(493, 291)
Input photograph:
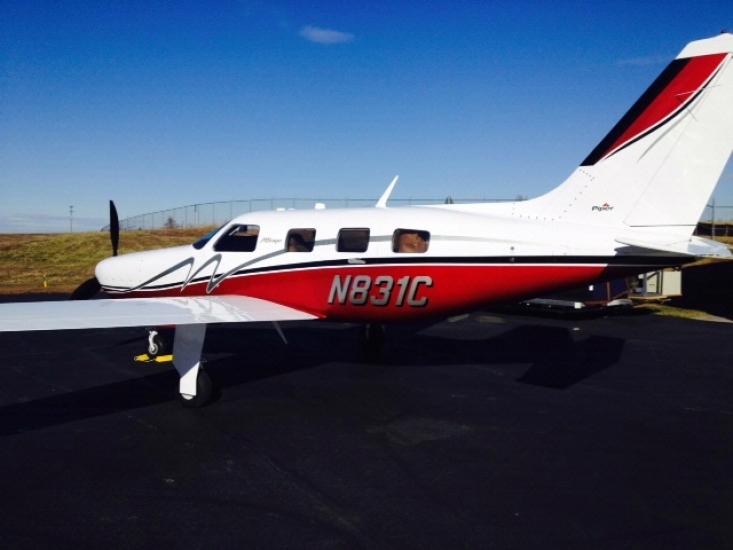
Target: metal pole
point(644, 291)
point(712, 221)
point(71, 218)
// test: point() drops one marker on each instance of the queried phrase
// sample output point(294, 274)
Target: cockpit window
point(198, 245)
point(353, 240)
point(238, 238)
point(300, 240)
point(410, 241)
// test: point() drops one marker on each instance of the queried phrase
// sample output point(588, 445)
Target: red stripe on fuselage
point(453, 288)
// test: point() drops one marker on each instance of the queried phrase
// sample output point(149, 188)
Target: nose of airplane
point(130, 271)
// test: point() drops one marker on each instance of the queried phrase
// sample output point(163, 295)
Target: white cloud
point(320, 35)
point(644, 61)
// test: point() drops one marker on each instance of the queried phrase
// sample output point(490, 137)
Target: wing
point(689, 246)
point(134, 312)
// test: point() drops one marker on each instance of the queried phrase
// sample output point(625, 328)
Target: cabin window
point(300, 240)
point(411, 241)
point(238, 238)
point(353, 240)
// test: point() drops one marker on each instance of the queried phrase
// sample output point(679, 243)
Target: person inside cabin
point(296, 243)
point(412, 241)
point(301, 240)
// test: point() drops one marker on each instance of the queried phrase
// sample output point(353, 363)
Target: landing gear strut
point(373, 342)
point(195, 385)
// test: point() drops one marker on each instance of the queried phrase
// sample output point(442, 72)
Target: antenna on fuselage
point(382, 202)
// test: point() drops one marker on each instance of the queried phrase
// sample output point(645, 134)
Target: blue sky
point(160, 104)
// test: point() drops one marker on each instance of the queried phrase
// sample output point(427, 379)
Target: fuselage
point(364, 265)
point(631, 206)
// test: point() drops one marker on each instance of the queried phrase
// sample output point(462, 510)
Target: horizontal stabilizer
point(382, 202)
point(691, 246)
point(149, 312)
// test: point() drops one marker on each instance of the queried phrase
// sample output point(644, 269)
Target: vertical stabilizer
point(659, 164)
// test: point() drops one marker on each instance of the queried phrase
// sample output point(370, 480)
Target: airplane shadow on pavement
point(556, 356)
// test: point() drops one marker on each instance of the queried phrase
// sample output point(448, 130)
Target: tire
point(204, 392)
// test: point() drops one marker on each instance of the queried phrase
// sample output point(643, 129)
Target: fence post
point(712, 221)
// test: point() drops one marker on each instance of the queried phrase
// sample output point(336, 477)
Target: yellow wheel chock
point(145, 358)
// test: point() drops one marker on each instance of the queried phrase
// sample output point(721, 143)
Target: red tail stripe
point(678, 92)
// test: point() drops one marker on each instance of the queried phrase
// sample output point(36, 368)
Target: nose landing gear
point(159, 348)
point(182, 345)
point(160, 341)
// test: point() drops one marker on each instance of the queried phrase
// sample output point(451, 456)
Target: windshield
point(198, 245)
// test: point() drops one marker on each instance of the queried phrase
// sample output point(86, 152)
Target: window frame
point(201, 242)
point(343, 229)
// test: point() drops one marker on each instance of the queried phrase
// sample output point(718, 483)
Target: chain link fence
point(717, 220)
point(217, 213)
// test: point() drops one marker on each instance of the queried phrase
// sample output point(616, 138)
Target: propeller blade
point(114, 227)
point(88, 289)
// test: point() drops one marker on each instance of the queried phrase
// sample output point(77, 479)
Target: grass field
point(58, 263)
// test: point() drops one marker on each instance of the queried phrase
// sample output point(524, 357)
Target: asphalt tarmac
point(490, 431)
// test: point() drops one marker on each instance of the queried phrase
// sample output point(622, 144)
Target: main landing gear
point(372, 341)
point(204, 392)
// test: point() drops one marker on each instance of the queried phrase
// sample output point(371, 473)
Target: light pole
point(71, 218)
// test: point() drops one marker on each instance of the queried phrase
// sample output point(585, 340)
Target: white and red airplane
point(630, 207)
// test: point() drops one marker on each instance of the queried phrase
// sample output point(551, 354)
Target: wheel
point(204, 392)
point(160, 342)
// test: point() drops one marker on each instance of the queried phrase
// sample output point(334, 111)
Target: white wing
point(688, 246)
point(134, 312)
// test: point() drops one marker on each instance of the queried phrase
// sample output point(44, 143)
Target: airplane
point(630, 207)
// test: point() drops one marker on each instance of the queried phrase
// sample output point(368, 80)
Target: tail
point(659, 165)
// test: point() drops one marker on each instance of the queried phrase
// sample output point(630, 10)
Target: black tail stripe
point(662, 81)
point(666, 121)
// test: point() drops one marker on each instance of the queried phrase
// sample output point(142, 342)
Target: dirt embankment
point(58, 263)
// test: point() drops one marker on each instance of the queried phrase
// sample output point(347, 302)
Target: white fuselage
point(470, 259)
